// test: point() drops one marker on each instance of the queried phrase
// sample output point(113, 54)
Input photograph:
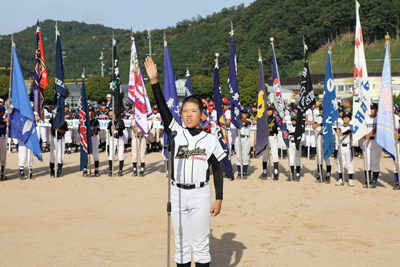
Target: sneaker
point(365, 185)
point(30, 175)
point(264, 176)
point(109, 173)
point(339, 182)
point(276, 177)
point(52, 174)
point(69, 152)
point(2, 177)
point(141, 174)
point(59, 174)
point(96, 173)
point(318, 181)
point(134, 174)
point(312, 157)
point(328, 180)
point(373, 184)
point(290, 178)
point(297, 179)
point(85, 174)
point(120, 173)
point(351, 183)
point(22, 175)
point(396, 186)
point(244, 175)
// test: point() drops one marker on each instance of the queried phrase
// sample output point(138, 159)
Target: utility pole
point(102, 64)
point(149, 37)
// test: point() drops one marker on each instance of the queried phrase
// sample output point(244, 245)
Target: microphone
point(170, 139)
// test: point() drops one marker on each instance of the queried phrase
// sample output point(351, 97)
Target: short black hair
point(193, 99)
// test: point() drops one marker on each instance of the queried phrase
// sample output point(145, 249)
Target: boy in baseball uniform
point(94, 131)
point(345, 134)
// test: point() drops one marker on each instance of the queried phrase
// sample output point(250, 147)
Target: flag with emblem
point(116, 83)
point(137, 91)
point(84, 126)
point(330, 109)
point(22, 120)
point(233, 86)
point(262, 117)
point(361, 95)
point(220, 132)
point(59, 93)
point(169, 92)
point(279, 110)
point(385, 126)
point(188, 87)
point(40, 80)
point(306, 101)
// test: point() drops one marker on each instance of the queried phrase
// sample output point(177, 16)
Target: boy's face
point(340, 114)
point(2, 113)
point(244, 115)
point(191, 115)
point(269, 112)
point(91, 113)
point(127, 107)
point(320, 111)
point(203, 117)
point(66, 109)
point(103, 108)
point(254, 109)
point(154, 111)
point(346, 120)
point(294, 122)
point(373, 111)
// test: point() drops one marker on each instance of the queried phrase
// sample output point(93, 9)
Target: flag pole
point(56, 139)
point(312, 113)
point(111, 146)
point(9, 104)
point(396, 158)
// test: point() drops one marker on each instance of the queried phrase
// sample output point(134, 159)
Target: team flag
point(361, 98)
point(233, 87)
point(188, 87)
point(385, 127)
point(137, 91)
point(40, 80)
point(262, 117)
point(84, 126)
point(220, 132)
point(170, 94)
point(279, 111)
point(59, 94)
point(22, 120)
point(116, 83)
point(330, 110)
point(306, 101)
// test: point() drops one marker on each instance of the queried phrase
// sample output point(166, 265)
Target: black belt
point(244, 136)
point(344, 145)
point(372, 138)
point(272, 134)
point(1, 135)
point(188, 186)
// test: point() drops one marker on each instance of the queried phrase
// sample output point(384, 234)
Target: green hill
point(194, 42)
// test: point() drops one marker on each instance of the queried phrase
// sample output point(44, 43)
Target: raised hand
point(151, 70)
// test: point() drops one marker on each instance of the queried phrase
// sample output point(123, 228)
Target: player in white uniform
point(345, 134)
point(373, 150)
point(317, 127)
point(213, 116)
point(154, 133)
point(60, 146)
point(294, 154)
point(193, 152)
point(116, 130)
point(227, 123)
point(25, 155)
point(138, 147)
point(94, 132)
point(336, 125)
point(244, 141)
point(309, 132)
point(45, 130)
point(272, 143)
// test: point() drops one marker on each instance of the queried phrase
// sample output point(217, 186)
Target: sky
point(157, 14)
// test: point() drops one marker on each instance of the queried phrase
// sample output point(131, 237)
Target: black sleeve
point(65, 126)
point(121, 128)
point(347, 132)
point(218, 177)
point(162, 106)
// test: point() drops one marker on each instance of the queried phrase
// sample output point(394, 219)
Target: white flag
point(137, 93)
point(361, 94)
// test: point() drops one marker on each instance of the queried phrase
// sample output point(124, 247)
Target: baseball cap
point(109, 95)
point(97, 106)
point(103, 104)
point(204, 100)
point(1, 100)
point(398, 108)
point(154, 107)
point(66, 104)
point(347, 114)
point(205, 111)
point(254, 105)
point(128, 103)
point(91, 108)
point(340, 109)
point(229, 102)
point(225, 101)
point(271, 106)
point(320, 106)
point(211, 103)
point(244, 110)
point(293, 117)
point(374, 105)
point(292, 101)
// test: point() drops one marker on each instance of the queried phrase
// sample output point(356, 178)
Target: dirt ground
point(122, 221)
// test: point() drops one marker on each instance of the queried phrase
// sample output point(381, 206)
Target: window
point(349, 88)
point(340, 88)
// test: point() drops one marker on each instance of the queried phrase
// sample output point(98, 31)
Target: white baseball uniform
point(346, 158)
point(373, 150)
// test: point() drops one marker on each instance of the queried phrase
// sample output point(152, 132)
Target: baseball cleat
point(373, 184)
point(351, 184)
point(110, 173)
point(141, 174)
point(85, 173)
point(339, 182)
point(134, 174)
point(318, 180)
point(96, 173)
point(120, 173)
point(264, 176)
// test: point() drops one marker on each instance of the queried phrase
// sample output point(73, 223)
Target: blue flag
point(279, 111)
point(385, 127)
point(170, 94)
point(220, 132)
point(59, 93)
point(233, 87)
point(22, 120)
point(188, 89)
point(262, 117)
point(84, 127)
point(330, 110)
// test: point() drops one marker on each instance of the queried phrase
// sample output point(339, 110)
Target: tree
point(97, 88)
point(203, 86)
point(4, 86)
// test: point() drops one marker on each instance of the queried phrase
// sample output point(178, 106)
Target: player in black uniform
point(116, 130)
point(94, 131)
point(103, 115)
point(61, 131)
point(128, 112)
point(193, 152)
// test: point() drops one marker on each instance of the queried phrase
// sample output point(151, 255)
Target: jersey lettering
point(184, 153)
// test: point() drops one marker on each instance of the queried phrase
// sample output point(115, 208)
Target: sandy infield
point(122, 221)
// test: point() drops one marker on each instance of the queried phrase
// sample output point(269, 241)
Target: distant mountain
point(194, 42)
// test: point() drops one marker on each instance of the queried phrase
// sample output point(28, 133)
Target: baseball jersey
point(319, 120)
point(397, 123)
point(347, 137)
point(59, 134)
point(128, 114)
point(153, 118)
point(3, 126)
point(109, 105)
point(371, 125)
point(119, 125)
point(213, 116)
point(68, 115)
point(206, 123)
point(103, 115)
point(253, 116)
point(192, 155)
point(244, 128)
point(291, 130)
point(272, 124)
point(94, 124)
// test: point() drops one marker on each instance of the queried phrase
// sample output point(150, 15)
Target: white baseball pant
point(118, 142)
point(95, 147)
point(273, 145)
point(127, 134)
point(294, 154)
point(245, 146)
point(191, 218)
point(346, 159)
point(310, 138)
point(229, 137)
point(103, 134)
point(23, 155)
point(68, 137)
point(60, 147)
point(44, 132)
point(138, 141)
point(3, 147)
point(373, 153)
